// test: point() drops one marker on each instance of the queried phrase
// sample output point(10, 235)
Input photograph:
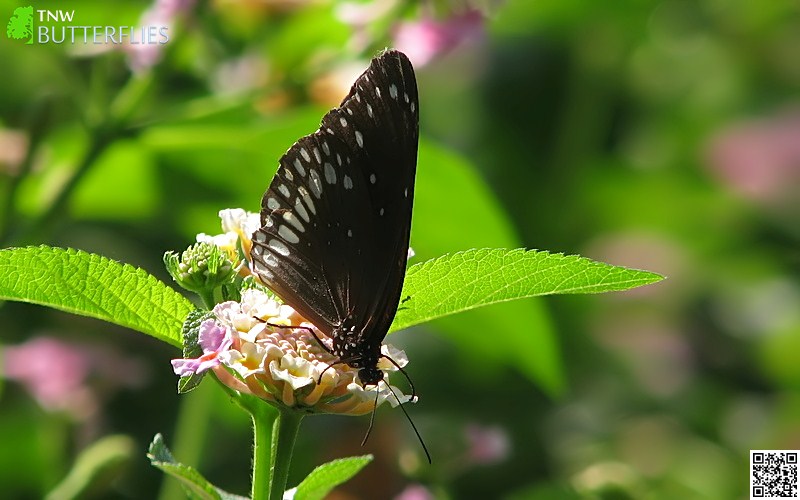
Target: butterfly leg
point(410, 382)
point(298, 327)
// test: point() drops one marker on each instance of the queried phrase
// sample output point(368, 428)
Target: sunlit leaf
point(191, 348)
point(91, 285)
point(475, 278)
point(194, 484)
point(454, 209)
point(326, 477)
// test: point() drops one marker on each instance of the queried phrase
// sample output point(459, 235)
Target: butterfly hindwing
point(336, 217)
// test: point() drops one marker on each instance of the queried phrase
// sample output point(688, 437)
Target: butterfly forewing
point(336, 218)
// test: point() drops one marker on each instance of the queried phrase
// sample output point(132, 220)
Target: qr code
point(773, 474)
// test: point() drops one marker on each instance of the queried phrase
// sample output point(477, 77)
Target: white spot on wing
point(378, 91)
point(348, 182)
point(358, 97)
point(291, 219)
point(359, 139)
point(325, 147)
point(288, 174)
point(372, 179)
point(369, 110)
point(316, 184)
point(299, 167)
point(273, 204)
point(338, 159)
point(413, 107)
point(350, 111)
point(350, 233)
point(330, 173)
point(269, 258)
point(343, 121)
point(393, 91)
point(288, 235)
point(301, 210)
point(279, 246)
point(284, 190)
point(317, 155)
point(265, 273)
point(405, 96)
point(305, 154)
point(381, 212)
point(307, 198)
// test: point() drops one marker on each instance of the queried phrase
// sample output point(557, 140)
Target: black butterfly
point(336, 217)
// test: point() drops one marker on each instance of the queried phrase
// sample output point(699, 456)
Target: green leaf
point(194, 484)
point(191, 347)
point(326, 477)
point(96, 468)
point(448, 187)
point(92, 285)
point(479, 277)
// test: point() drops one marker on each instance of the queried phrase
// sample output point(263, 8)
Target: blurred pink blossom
point(143, 56)
point(13, 146)
point(487, 445)
point(415, 492)
point(56, 372)
point(51, 370)
point(659, 355)
point(425, 39)
point(759, 158)
point(360, 16)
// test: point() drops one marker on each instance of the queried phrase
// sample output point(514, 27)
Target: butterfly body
point(336, 218)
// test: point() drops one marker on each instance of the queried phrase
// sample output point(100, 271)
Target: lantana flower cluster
point(260, 347)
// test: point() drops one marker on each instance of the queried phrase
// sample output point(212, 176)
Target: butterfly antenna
point(408, 417)
point(372, 417)
point(410, 382)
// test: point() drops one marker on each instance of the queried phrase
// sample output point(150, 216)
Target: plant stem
point(208, 299)
point(264, 419)
point(284, 434)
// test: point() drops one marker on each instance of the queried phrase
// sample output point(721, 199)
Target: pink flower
point(163, 13)
point(56, 373)
point(423, 40)
point(214, 339)
point(51, 370)
point(249, 352)
point(759, 158)
point(487, 445)
point(415, 492)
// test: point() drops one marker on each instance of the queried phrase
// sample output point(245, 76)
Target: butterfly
point(336, 217)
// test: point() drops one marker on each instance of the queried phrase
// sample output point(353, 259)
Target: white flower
point(238, 227)
point(288, 366)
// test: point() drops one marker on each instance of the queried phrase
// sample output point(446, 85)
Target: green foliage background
point(598, 128)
